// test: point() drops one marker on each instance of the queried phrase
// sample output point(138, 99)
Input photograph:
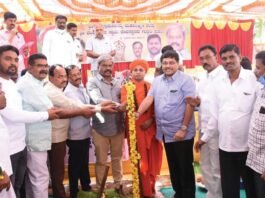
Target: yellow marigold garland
point(134, 155)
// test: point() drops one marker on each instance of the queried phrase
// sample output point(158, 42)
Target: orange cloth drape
point(148, 146)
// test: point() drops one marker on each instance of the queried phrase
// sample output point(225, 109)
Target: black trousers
point(78, 165)
point(19, 166)
point(259, 184)
point(180, 163)
point(233, 167)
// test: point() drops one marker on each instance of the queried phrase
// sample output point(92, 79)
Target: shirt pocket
point(246, 100)
point(175, 97)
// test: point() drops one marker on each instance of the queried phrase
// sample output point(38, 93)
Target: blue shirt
point(169, 98)
point(80, 127)
point(38, 135)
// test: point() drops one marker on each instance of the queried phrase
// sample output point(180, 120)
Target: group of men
point(35, 124)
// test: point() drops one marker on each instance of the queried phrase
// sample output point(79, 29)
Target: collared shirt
point(18, 40)
point(100, 90)
point(59, 99)
point(73, 50)
point(169, 97)
point(204, 91)
point(55, 47)
point(230, 108)
point(80, 127)
point(15, 118)
point(38, 135)
point(256, 137)
point(99, 46)
point(5, 162)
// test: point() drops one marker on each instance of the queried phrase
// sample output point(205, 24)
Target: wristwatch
point(183, 128)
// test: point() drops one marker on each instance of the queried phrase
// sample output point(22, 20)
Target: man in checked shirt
point(256, 138)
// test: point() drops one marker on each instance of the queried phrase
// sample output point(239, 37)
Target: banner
point(143, 40)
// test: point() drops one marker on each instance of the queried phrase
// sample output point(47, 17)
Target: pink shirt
point(18, 40)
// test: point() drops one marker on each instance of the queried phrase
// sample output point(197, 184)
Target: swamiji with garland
point(148, 146)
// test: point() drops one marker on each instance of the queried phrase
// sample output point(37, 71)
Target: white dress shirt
point(73, 50)
point(80, 127)
point(204, 91)
point(55, 47)
point(18, 40)
point(5, 162)
point(15, 117)
point(231, 108)
point(99, 46)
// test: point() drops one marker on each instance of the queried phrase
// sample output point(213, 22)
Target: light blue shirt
point(38, 135)
point(169, 98)
point(80, 127)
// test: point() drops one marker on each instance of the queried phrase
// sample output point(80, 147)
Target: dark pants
point(233, 167)
point(19, 166)
point(56, 157)
point(180, 163)
point(78, 165)
point(259, 184)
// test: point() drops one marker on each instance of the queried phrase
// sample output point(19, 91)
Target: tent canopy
point(132, 10)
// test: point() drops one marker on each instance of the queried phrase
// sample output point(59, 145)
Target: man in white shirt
point(230, 112)
point(6, 189)
point(54, 43)
point(98, 45)
point(10, 36)
point(14, 116)
point(74, 46)
point(209, 155)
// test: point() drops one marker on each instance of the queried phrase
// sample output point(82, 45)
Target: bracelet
point(98, 108)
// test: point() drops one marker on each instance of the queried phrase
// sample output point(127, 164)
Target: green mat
point(109, 193)
point(200, 193)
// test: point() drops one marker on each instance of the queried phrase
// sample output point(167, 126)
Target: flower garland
point(134, 155)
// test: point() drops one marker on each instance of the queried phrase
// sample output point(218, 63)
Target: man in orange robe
point(148, 146)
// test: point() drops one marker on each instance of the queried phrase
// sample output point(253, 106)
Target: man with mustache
point(231, 106)
point(209, 155)
point(98, 45)
point(55, 45)
point(79, 131)
point(110, 134)
point(38, 136)
point(175, 122)
point(10, 35)
point(6, 189)
point(153, 46)
point(176, 35)
point(54, 89)
point(14, 116)
point(137, 48)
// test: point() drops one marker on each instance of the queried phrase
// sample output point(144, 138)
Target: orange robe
point(148, 146)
